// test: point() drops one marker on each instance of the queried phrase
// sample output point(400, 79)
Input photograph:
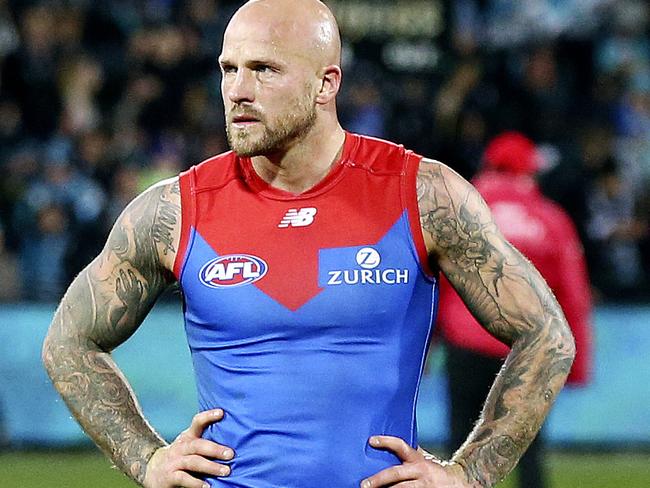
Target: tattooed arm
point(103, 307)
point(511, 300)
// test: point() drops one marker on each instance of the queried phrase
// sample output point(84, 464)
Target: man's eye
point(228, 69)
point(263, 69)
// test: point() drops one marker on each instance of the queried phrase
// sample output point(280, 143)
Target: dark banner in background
point(401, 36)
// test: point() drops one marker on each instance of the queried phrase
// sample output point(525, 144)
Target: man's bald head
point(306, 26)
point(280, 75)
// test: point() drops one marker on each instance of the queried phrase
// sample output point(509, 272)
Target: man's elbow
point(563, 342)
point(57, 352)
point(48, 354)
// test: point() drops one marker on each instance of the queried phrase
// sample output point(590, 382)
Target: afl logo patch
point(232, 270)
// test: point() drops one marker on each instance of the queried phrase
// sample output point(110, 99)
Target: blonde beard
point(299, 121)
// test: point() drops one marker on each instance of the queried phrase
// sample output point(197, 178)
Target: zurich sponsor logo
point(368, 259)
point(232, 270)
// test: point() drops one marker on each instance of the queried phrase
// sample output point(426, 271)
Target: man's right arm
point(102, 308)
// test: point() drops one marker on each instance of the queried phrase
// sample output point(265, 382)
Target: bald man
point(308, 259)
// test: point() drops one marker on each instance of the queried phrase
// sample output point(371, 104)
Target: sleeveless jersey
point(307, 316)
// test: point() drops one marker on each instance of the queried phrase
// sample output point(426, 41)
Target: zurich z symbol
point(298, 217)
point(232, 270)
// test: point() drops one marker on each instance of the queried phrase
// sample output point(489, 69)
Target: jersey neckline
point(261, 187)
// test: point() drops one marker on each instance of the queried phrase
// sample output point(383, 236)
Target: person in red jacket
point(544, 233)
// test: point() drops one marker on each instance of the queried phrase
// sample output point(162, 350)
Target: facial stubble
point(291, 126)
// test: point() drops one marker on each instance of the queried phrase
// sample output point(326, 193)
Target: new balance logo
point(298, 217)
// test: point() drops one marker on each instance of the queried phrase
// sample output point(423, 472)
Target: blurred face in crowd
point(273, 59)
point(38, 28)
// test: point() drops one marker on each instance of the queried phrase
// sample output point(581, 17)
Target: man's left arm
point(512, 301)
point(573, 291)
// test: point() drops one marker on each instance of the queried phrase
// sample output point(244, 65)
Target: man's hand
point(170, 466)
point(418, 468)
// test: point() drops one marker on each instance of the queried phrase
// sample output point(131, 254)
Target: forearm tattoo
point(512, 301)
point(102, 308)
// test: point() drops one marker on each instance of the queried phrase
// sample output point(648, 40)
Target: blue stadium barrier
point(613, 409)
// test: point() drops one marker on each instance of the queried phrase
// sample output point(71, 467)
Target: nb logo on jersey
point(298, 217)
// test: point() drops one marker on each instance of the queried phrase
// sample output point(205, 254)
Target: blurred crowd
point(100, 99)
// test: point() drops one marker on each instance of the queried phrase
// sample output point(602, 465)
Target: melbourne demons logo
point(232, 270)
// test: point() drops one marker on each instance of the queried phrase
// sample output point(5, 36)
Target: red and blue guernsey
point(307, 316)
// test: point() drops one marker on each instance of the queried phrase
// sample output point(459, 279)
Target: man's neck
point(304, 164)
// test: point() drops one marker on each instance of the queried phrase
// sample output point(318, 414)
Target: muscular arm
point(511, 300)
point(104, 305)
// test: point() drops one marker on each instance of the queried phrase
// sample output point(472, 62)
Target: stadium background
point(100, 99)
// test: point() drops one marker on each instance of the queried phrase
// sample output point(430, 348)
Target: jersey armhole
point(410, 203)
point(187, 185)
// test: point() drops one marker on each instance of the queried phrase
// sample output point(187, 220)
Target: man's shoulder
point(379, 155)
point(436, 182)
point(226, 157)
point(156, 214)
point(167, 190)
point(213, 170)
point(436, 172)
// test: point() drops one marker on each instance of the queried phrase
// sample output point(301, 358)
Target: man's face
point(267, 88)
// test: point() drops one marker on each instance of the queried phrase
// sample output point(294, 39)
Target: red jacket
point(543, 232)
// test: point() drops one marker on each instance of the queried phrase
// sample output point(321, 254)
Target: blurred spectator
point(11, 133)
point(452, 96)
point(365, 109)
point(542, 95)
point(125, 186)
point(94, 156)
point(11, 283)
point(410, 119)
point(42, 255)
point(29, 74)
point(569, 180)
point(459, 112)
point(20, 167)
point(613, 225)
point(165, 164)
point(80, 80)
point(208, 18)
point(53, 207)
point(626, 48)
point(8, 33)
point(543, 233)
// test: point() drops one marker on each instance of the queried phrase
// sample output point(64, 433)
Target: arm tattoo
point(512, 301)
point(104, 305)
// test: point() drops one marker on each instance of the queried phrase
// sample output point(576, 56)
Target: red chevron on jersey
point(238, 213)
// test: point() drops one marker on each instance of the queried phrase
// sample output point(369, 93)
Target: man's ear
point(330, 84)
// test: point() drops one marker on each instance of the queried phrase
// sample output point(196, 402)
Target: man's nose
point(242, 88)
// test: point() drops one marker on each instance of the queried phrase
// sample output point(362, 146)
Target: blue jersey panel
point(303, 390)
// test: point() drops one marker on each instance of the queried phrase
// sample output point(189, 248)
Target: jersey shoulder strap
point(211, 174)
